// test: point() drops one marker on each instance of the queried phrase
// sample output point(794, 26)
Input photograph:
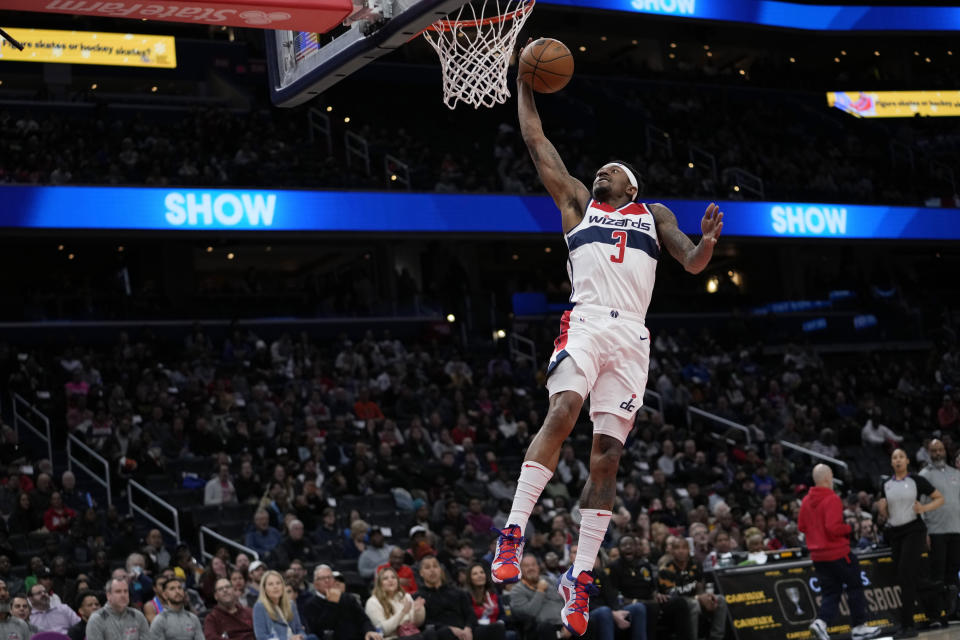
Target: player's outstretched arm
point(569, 194)
point(694, 258)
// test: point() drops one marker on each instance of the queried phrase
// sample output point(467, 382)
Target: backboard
point(302, 64)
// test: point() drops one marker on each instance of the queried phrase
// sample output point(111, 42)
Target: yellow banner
point(896, 104)
point(89, 47)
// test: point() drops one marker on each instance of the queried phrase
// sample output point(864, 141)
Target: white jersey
point(613, 257)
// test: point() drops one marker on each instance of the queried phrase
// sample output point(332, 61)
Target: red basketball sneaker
point(506, 561)
point(576, 612)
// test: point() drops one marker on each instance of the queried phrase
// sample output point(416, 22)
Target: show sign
point(196, 209)
point(779, 601)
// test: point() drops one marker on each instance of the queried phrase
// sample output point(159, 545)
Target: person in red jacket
point(828, 539)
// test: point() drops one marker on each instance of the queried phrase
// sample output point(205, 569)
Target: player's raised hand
point(712, 223)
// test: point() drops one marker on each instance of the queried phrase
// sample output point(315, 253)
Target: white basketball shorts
point(611, 349)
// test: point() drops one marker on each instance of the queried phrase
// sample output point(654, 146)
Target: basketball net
point(475, 50)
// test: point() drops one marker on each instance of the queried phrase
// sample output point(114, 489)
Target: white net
point(475, 49)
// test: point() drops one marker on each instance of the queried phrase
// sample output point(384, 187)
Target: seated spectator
point(756, 554)
point(354, 545)
point(47, 617)
point(58, 517)
point(375, 554)
point(408, 581)
point(175, 622)
point(327, 536)
point(117, 620)
point(156, 552)
point(722, 546)
point(87, 603)
point(480, 522)
point(334, 610)
point(448, 609)
point(141, 586)
point(20, 608)
point(229, 620)
point(215, 570)
point(156, 604)
point(391, 609)
point(294, 547)
point(254, 576)
point(12, 627)
point(486, 603)
point(681, 577)
point(876, 434)
point(239, 581)
point(262, 538)
point(274, 616)
point(11, 582)
point(25, 519)
point(535, 602)
point(220, 490)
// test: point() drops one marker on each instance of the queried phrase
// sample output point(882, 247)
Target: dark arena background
point(270, 303)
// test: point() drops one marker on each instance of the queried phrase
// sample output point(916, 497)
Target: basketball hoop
point(475, 50)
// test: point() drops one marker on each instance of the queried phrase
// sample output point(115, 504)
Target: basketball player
point(603, 349)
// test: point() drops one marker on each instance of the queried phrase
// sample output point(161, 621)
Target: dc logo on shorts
point(627, 405)
point(616, 314)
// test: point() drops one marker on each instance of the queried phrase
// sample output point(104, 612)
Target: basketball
point(546, 64)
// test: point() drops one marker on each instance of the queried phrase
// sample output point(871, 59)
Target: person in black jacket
point(449, 610)
point(332, 610)
point(86, 603)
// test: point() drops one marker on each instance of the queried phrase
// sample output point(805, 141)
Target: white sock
point(533, 478)
point(593, 528)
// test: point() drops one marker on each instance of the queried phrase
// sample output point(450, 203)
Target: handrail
point(204, 554)
point(814, 454)
point(716, 418)
point(175, 531)
point(18, 420)
point(656, 396)
point(102, 480)
point(515, 341)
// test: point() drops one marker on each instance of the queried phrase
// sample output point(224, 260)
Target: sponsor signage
point(896, 104)
point(191, 209)
point(779, 601)
point(90, 47)
point(791, 15)
point(295, 15)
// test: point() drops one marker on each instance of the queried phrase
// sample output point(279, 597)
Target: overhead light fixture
point(451, 318)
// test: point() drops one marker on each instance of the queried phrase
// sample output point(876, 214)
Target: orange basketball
point(546, 64)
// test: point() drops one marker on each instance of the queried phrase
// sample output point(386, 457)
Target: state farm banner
point(779, 601)
point(296, 15)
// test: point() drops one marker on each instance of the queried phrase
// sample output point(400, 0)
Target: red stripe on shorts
point(561, 340)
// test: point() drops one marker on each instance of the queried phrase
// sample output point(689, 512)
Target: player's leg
point(857, 600)
point(568, 386)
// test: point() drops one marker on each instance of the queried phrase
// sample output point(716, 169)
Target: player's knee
point(565, 408)
point(605, 459)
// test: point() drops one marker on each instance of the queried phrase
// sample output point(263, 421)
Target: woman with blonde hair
point(392, 609)
point(274, 617)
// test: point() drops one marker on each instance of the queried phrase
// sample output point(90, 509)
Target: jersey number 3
point(621, 238)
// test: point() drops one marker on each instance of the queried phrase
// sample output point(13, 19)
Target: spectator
point(239, 581)
point(117, 620)
point(476, 518)
point(153, 607)
point(58, 517)
point(355, 545)
point(87, 604)
point(274, 616)
point(20, 608)
point(229, 620)
point(11, 582)
point(44, 617)
point(294, 547)
point(262, 538)
point(156, 551)
point(327, 536)
point(533, 601)
point(220, 490)
point(681, 577)
point(254, 576)
point(447, 609)
point(948, 417)
point(25, 519)
point(405, 575)
point(4, 592)
point(365, 408)
point(12, 627)
point(141, 586)
point(392, 610)
point(215, 570)
point(175, 622)
point(335, 610)
point(486, 603)
point(374, 555)
point(876, 434)
point(247, 484)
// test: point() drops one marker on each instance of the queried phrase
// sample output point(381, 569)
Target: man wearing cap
point(262, 538)
point(408, 581)
point(229, 620)
point(375, 554)
point(256, 571)
point(47, 617)
point(174, 622)
point(117, 620)
point(943, 525)
point(419, 543)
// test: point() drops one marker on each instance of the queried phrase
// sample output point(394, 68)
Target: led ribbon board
point(896, 104)
point(791, 15)
point(89, 47)
point(184, 210)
